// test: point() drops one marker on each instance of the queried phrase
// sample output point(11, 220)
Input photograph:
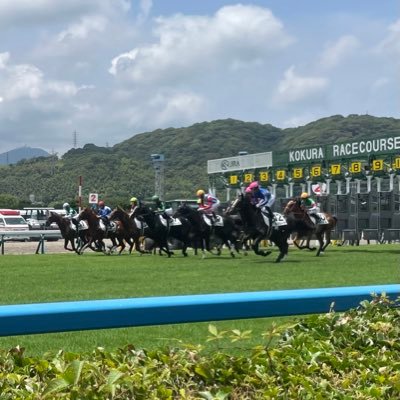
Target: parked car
point(36, 218)
point(12, 221)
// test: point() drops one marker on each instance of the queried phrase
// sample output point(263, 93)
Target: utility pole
point(75, 140)
point(158, 165)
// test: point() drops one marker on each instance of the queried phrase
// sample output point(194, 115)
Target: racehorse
point(225, 229)
point(300, 222)
point(96, 233)
point(160, 229)
point(256, 229)
point(69, 231)
point(129, 227)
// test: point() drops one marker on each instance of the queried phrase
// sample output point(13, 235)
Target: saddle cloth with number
point(219, 221)
point(277, 221)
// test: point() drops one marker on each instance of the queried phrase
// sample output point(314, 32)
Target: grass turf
point(67, 277)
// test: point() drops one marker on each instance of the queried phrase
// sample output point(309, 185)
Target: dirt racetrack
point(15, 247)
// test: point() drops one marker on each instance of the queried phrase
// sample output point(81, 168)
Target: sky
point(100, 71)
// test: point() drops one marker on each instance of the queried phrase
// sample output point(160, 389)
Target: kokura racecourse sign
point(359, 149)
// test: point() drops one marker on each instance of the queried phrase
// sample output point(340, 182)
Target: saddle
point(82, 225)
point(112, 227)
point(140, 224)
point(170, 222)
point(218, 221)
point(322, 219)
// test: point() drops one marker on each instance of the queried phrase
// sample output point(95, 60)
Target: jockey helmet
point(253, 185)
point(101, 203)
point(200, 192)
point(304, 195)
point(155, 198)
point(247, 190)
point(133, 200)
point(65, 205)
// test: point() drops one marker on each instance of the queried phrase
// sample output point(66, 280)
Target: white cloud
point(293, 88)
point(145, 7)
point(299, 120)
point(25, 81)
point(190, 45)
point(184, 106)
point(83, 29)
point(335, 53)
point(391, 43)
point(35, 13)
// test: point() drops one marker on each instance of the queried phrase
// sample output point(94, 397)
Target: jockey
point(103, 212)
point(134, 204)
point(159, 207)
point(262, 198)
point(310, 205)
point(208, 204)
point(69, 211)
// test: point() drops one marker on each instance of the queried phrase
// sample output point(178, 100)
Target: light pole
point(158, 165)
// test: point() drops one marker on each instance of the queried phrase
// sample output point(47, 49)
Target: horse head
point(294, 206)
point(51, 218)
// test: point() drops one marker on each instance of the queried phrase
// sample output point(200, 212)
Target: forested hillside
point(119, 172)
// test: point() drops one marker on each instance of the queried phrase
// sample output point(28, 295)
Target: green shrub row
point(352, 355)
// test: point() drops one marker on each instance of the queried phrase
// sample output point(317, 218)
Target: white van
point(11, 221)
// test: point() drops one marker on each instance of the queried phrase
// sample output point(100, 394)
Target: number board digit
point(356, 167)
point(280, 174)
point(233, 179)
point(316, 171)
point(248, 178)
point(396, 163)
point(336, 169)
point(377, 165)
point(264, 177)
point(297, 173)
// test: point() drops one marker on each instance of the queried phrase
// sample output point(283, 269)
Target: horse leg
point(255, 247)
point(231, 247)
point(283, 247)
point(320, 238)
point(297, 242)
point(121, 245)
point(89, 244)
point(66, 241)
point(328, 240)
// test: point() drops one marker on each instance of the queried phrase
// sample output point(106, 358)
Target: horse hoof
point(266, 253)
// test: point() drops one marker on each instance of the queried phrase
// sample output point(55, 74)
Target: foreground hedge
point(355, 355)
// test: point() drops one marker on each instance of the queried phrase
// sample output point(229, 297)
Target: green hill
point(119, 172)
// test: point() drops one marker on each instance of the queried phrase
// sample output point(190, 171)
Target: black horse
point(161, 229)
point(225, 230)
point(72, 233)
point(256, 229)
point(299, 222)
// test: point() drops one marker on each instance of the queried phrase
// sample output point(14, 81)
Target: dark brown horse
point(72, 233)
point(97, 233)
point(300, 222)
point(127, 226)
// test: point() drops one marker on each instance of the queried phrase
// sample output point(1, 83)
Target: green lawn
point(64, 277)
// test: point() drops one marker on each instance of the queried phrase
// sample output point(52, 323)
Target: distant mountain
point(117, 173)
point(21, 153)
